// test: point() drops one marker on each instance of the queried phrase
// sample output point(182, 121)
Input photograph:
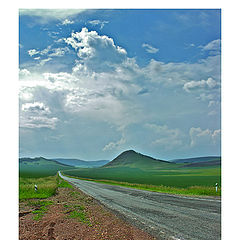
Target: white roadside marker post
point(216, 187)
point(35, 187)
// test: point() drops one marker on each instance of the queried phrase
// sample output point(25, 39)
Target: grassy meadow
point(40, 167)
point(171, 177)
point(135, 170)
point(47, 186)
point(43, 173)
point(130, 169)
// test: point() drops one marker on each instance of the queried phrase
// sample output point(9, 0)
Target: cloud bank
point(106, 85)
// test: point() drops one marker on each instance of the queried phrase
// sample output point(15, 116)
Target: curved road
point(164, 216)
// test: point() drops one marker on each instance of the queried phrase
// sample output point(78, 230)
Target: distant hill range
point(39, 166)
point(38, 161)
point(66, 162)
point(134, 159)
point(131, 158)
point(80, 163)
point(134, 167)
point(199, 161)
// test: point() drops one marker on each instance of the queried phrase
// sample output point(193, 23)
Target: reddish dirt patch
point(99, 223)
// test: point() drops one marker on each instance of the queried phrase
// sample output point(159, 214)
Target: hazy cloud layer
point(46, 15)
point(166, 138)
point(104, 80)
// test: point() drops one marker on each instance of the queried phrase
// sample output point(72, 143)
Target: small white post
point(35, 187)
point(216, 187)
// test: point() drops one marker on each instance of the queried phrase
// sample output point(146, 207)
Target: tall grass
point(47, 186)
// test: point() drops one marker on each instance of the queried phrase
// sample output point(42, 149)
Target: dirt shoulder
point(71, 214)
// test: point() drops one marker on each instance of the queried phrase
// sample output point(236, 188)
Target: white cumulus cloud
point(149, 48)
point(67, 22)
point(33, 52)
point(105, 84)
point(24, 73)
point(38, 122)
point(204, 137)
point(97, 52)
point(49, 51)
point(214, 45)
point(193, 85)
point(37, 115)
point(114, 145)
point(98, 22)
point(178, 74)
point(35, 107)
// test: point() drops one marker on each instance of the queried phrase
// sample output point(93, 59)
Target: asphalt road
point(164, 216)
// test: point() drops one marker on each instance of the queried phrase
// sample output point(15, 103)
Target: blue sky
point(94, 83)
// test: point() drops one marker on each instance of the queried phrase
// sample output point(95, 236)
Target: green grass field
point(41, 172)
point(47, 186)
point(192, 190)
point(133, 169)
point(40, 167)
point(129, 169)
point(172, 177)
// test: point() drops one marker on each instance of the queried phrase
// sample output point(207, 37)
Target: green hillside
point(133, 167)
point(40, 167)
point(133, 159)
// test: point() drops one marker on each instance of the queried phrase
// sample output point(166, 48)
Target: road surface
point(164, 216)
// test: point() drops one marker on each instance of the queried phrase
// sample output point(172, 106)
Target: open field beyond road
point(172, 175)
